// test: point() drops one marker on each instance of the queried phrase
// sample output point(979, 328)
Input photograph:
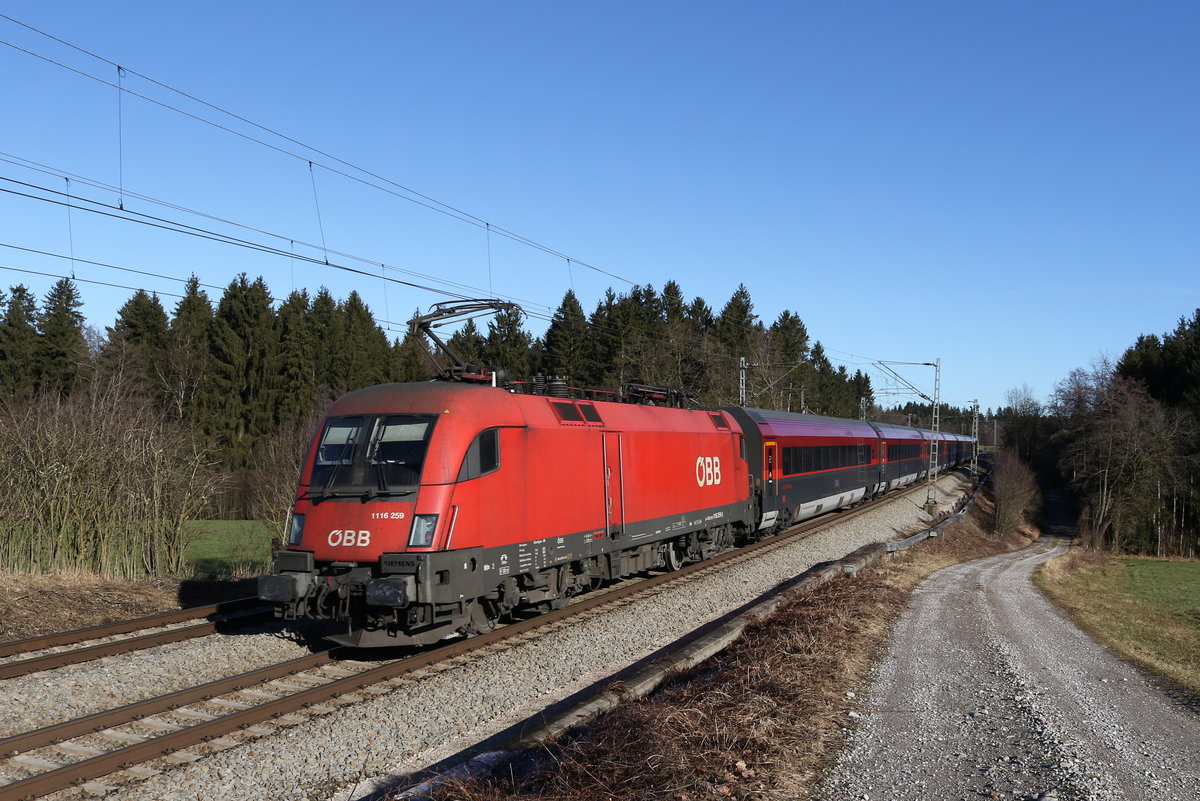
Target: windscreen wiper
point(377, 493)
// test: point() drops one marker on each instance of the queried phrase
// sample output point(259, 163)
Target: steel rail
point(21, 667)
point(70, 729)
point(59, 778)
point(123, 626)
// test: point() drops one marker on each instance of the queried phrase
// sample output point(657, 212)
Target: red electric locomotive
point(430, 509)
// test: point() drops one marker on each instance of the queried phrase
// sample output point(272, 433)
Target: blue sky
point(1011, 187)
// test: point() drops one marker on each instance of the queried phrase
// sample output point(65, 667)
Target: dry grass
point(41, 604)
point(762, 720)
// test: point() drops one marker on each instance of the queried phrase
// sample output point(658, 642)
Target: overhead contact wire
point(47, 170)
point(416, 197)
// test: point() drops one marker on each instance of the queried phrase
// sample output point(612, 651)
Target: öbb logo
point(708, 470)
point(349, 537)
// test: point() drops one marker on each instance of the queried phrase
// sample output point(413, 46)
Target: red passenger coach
point(426, 510)
point(905, 455)
point(807, 463)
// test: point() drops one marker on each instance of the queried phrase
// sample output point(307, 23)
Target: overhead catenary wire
point(105, 265)
point(82, 280)
point(399, 190)
point(392, 326)
point(108, 210)
point(292, 241)
point(177, 227)
point(475, 220)
point(412, 195)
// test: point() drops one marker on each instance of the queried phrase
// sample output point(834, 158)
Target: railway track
point(217, 617)
point(145, 737)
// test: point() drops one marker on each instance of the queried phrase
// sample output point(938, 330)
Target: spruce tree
point(700, 315)
point(1170, 366)
point(138, 340)
point(673, 307)
point(640, 315)
point(603, 361)
point(62, 353)
point(789, 338)
point(566, 342)
point(820, 388)
point(736, 324)
point(468, 343)
point(366, 352)
point(18, 345)
point(243, 385)
point(411, 359)
point(329, 328)
point(188, 358)
point(860, 387)
point(508, 345)
point(297, 359)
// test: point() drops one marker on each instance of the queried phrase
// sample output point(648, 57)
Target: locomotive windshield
point(371, 455)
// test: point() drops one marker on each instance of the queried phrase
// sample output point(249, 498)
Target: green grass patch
point(230, 548)
point(1148, 610)
point(1170, 586)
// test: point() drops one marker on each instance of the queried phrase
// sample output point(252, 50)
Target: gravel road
point(988, 691)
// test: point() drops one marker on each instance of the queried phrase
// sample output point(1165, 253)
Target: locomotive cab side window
point(483, 455)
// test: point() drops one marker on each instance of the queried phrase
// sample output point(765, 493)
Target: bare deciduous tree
point(1015, 491)
point(98, 482)
point(1124, 458)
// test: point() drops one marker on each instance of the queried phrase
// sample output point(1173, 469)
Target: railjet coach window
point(483, 456)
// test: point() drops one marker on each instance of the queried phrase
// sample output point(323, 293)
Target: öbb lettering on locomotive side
point(431, 510)
point(708, 470)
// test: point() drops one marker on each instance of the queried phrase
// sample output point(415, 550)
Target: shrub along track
point(205, 715)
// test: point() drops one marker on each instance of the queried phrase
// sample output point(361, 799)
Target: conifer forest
point(116, 438)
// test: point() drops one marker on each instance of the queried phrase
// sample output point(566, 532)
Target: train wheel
point(483, 619)
point(672, 557)
point(563, 584)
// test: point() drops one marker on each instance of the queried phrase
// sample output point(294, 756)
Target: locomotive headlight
point(423, 527)
point(297, 530)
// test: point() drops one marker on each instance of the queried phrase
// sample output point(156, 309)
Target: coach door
point(614, 485)
point(771, 471)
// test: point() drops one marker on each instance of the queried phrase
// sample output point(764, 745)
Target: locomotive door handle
point(608, 489)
